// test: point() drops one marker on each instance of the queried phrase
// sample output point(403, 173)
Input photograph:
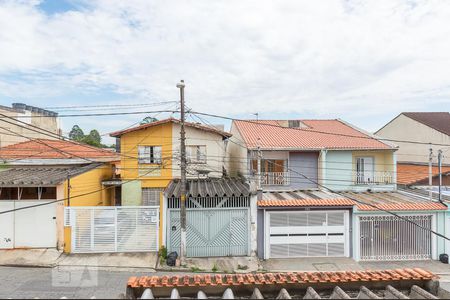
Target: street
point(19, 283)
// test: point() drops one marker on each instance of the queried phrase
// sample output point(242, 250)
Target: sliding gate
point(216, 226)
point(113, 229)
point(391, 238)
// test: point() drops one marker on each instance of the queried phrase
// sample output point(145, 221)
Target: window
point(149, 154)
point(293, 123)
point(150, 196)
point(196, 154)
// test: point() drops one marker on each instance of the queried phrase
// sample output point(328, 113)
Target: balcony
point(275, 178)
point(373, 178)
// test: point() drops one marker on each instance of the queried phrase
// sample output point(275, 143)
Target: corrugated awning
point(40, 176)
point(209, 187)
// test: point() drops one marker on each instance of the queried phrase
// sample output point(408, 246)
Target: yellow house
point(44, 176)
point(150, 159)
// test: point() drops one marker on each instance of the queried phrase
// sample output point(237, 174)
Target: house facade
point(302, 154)
point(423, 129)
point(150, 160)
point(21, 120)
point(326, 189)
point(49, 176)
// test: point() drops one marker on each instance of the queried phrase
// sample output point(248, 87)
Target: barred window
point(150, 196)
point(149, 154)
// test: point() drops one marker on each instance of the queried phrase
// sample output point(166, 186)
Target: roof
point(55, 149)
point(39, 176)
point(172, 120)
point(392, 201)
point(439, 121)
point(303, 198)
point(314, 134)
point(209, 187)
point(301, 285)
point(412, 173)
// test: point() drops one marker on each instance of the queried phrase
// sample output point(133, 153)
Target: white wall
point(215, 151)
point(404, 128)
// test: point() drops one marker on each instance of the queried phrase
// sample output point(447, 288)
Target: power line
point(102, 114)
point(261, 123)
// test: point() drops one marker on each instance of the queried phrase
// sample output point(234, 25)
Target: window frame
point(152, 158)
point(198, 155)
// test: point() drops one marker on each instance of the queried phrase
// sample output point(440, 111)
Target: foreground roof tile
point(280, 278)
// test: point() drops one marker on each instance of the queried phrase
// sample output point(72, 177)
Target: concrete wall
point(338, 167)
point(404, 128)
point(338, 170)
point(7, 138)
point(215, 151)
point(237, 154)
point(87, 189)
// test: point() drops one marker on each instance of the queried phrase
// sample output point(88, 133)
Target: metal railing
point(275, 178)
point(373, 178)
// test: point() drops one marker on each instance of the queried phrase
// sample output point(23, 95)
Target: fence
point(113, 229)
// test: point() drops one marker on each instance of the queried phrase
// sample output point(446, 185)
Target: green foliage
point(162, 252)
point(196, 269)
point(93, 138)
point(76, 133)
point(148, 120)
point(215, 268)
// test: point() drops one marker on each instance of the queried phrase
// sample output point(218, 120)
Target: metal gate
point(391, 238)
point(113, 229)
point(216, 226)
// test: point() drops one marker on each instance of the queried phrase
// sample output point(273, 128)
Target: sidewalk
point(49, 258)
point(29, 257)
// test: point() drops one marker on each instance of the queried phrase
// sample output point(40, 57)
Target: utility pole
point(181, 86)
point(430, 174)
point(258, 153)
point(440, 173)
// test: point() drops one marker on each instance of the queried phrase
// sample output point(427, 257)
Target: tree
point(93, 139)
point(76, 134)
point(148, 120)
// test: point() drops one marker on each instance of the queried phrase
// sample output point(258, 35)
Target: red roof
point(306, 202)
point(410, 173)
point(173, 120)
point(364, 201)
point(291, 278)
point(55, 149)
point(314, 134)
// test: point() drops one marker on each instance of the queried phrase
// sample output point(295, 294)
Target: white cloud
point(329, 58)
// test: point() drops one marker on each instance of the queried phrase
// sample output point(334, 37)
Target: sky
point(361, 61)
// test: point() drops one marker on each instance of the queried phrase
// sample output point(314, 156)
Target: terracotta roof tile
point(317, 134)
point(306, 202)
point(410, 173)
point(392, 201)
point(283, 278)
point(171, 120)
point(55, 149)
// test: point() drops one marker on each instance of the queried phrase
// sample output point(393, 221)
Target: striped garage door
point(307, 234)
point(211, 232)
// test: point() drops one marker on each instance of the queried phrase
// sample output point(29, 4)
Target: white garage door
point(307, 234)
point(27, 228)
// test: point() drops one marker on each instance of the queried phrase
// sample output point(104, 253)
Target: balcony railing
point(373, 178)
point(275, 178)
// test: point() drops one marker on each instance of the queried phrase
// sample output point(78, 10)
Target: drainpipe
point(323, 155)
